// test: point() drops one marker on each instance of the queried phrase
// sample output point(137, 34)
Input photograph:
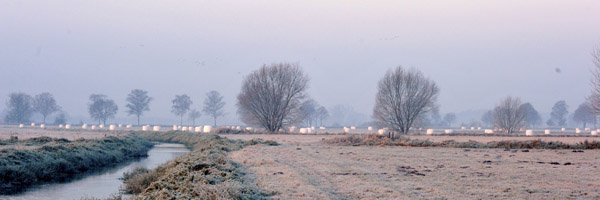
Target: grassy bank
point(204, 173)
point(45, 159)
point(378, 140)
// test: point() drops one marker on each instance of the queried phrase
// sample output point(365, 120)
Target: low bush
point(58, 160)
point(204, 173)
point(379, 140)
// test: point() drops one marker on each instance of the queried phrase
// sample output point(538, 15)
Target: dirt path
point(314, 170)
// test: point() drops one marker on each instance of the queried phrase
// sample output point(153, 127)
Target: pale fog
point(478, 52)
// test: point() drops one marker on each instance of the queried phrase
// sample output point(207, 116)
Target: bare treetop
point(138, 102)
point(181, 104)
point(19, 108)
point(45, 104)
point(402, 97)
point(102, 108)
point(509, 115)
point(270, 96)
point(594, 99)
point(213, 105)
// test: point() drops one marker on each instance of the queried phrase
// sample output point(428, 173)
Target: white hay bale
point(145, 128)
point(322, 128)
point(249, 129)
point(563, 129)
point(184, 128)
point(478, 128)
point(381, 131)
point(84, 126)
point(128, 126)
point(586, 129)
point(594, 133)
point(120, 125)
point(68, 126)
point(111, 127)
point(101, 126)
point(488, 131)
point(577, 130)
point(346, 129)
point(429, 131)
point(60, 126)
point(598, 130)
point(292, 129)
point(32, 124)
point(207, 129)
point(463, 128)
point(547, 132)
point(190, 128)
point(21, 125)
point(448, 131)
point(238, 128)
point(312, 128)
point(353, 127)
point(156, 128)
point(198, 129)
point(472, 128)
point(529, 132)
point(309, 130)
point(303, 130)
point(93, 127)
point(369, 128)
point(175, 127)
point(42, 125)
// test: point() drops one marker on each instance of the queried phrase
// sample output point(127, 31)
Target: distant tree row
point(21, 106)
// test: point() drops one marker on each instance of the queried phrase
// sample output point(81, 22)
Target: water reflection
point(104, 183)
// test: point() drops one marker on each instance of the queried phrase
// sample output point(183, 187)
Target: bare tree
point(487, 118)
point(308, 112)
point(558, 116)
point(509, 115)
point(532, 117)
point(323, 114)
point(213, 105)
point(270, 96)
point(402, 97)
point(594, 99)
point(194, 114)
point(45, 104)
point(19, 108)
point(584, 115)
point(138, 102)
point(101, 108)
point(449, 118)
point(181, 104)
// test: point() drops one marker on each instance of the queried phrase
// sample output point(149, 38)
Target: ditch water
point(101, 184)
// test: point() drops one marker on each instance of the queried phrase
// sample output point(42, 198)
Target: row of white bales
point(309, 130)
point(199, 129)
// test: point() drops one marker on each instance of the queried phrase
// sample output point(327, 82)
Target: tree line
point(22, 106)
point(274, 98)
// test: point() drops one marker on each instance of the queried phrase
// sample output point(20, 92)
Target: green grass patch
point(59, 160)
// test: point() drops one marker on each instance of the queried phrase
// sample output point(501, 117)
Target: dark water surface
point(103, 183)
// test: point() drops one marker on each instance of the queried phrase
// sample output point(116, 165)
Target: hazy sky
point(477, 51)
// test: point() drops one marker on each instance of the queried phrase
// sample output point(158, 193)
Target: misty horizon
point(476, 52)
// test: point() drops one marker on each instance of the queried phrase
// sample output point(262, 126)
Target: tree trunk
point(138, 120)
point(181, 121)
point(215, 120)
point(44, 119)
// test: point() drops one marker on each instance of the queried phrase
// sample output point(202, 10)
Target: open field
point(71, 134)
point(305, 168)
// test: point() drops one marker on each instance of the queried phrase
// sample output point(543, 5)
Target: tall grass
point(204, 173)
point(378, 140)
point(57, 160)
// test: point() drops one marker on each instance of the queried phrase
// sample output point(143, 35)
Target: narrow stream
point(104, 183)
